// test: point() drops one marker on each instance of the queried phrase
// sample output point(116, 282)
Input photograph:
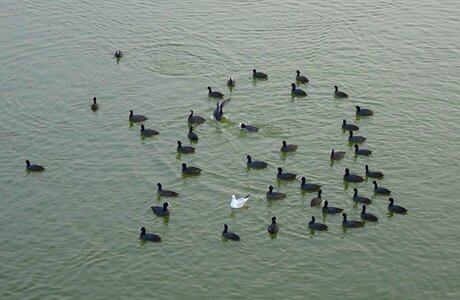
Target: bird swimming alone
point(307, 186)
point(271, 195)
point(34, 168)
point(296, 91)
point(288, 147)
point(365, 152)
point(300, 78)
point(248, 127)
point(151, 237)
point(285, 176)
point(317, 200)
point(373, 174)
point(396, 208)
point(273, 227)
point(351, 177)
point(349, 127)
point(351, 224)
point(147, 131)
point(339, 94)
point(255, 164)
point(368, 216)
point(161, 211)
point(184, 149)
point(165, 193)
point(190, 170)
point(238, 203)
point(231, 82)
point(316, 226)
point(229, 235)
point(195, 119)
point(337, 155)
point(258, 75)
point(364, 112)
point(360, 199)
point(94, 106)
point(136, 118)
point(214, 94)
point(118, 54)
point(192, 136)
point(218, 112)
point(380, 190)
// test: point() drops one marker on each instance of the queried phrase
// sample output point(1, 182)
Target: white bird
point(238, 203)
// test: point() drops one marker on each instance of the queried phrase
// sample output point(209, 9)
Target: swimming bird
point(300, 78)
point(380, 190)
point(349, 127)
point(94, 106)
point(373, 174)
point(288, 147)
point(149, 236)
point(317, 200)
point(351, 224)
point(330, 210)
point(368, 216)
point(296, 91)
point(190, 170)
point(307, 186)
point(365, 152)
point(248, 127)
point(285, 176)
point(355, 138)
point(255, 164)
point(118, 54)
point(360, 199)
point(351, 177)
point(184, 149)
point(192, 135)
point(316, 226)
point(229, 235)
point(238, 203)
point(396, 208)
point(363, 111)
point(271, 195)
point(136, 118)
point(195, 119)
point(165, 193)
point(148, 132)
point(214, 94)
point(259, 75)
point(336, 155)
point(218, 112)
point(33, 168)
point(273, 227)
point(339, 94)
point(161, 211)
point(231, 82)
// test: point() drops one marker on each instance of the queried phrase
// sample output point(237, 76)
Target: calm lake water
point(72, 232)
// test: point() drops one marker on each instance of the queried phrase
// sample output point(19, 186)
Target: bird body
point(373, 174)
point(94, 106)
point(316, 226)
point(288, 147)
point(307, 186)
point(301, 78)
point(190, 170)
point(296, 91)
point(229, 235)
point(339, 94)
point(147, 131)
point(368, 216)
point(255, 164)
point(136, 118)
point(360, 199)
point(218, 112)
point(349, 127)
point(317, 200)
point(248, 127)
point(364, 152)
point(351, 224)
point(184, 149)
point(161, 211)
point(214, 94)
point(355, 138)
point(271, 195)
point(336, 155)
point(165, 193)
point(352, 177)
point(258, 75)
point(231, 82)
point(118, 54)
point(151, 237)
point(364, 112)
point(273, 227)
point(396, 208)
point(34, 168)
point(238, 203)
point(330, 209)
point(192, 136)
point(285, 176)
point(380, 190)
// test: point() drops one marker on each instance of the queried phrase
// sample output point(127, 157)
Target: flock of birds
point(273, 228)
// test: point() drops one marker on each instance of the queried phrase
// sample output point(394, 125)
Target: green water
point(71, 232)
